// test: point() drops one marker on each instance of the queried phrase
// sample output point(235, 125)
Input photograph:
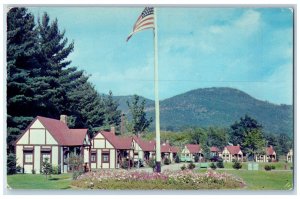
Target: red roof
point(117, 141)
point(165, 148)
point(233, 149)
point(175, 149)
point(214, 149)
point(193, 148)
point(61, 133)
point(145, 145)
point(270, 150)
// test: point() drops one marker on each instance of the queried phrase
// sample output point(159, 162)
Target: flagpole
point(157, 122)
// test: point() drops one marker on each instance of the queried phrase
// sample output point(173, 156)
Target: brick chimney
point(63, 118)
point(113, 130)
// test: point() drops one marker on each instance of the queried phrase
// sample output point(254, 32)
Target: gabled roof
point(233, 149)
point(117, 141)
point(145, 145)
point(60, 131)
point(214, 149)
point(193, 148)
point(270, 150)
point(165, 148)
point(175, 149)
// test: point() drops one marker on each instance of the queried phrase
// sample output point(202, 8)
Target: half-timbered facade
point(51, 139)
point(108, 151)
point(231, 153)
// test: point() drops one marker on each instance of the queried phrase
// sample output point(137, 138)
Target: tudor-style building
point(143, 150)
point(191, 150)
point(269, 156)
point(231, 153)
point(108, 150)
point(52, 139)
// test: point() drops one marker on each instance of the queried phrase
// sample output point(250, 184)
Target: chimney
point(113, 130)
point(63, 118)
point(167, 141)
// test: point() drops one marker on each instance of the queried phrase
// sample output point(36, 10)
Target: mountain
point(217, 107)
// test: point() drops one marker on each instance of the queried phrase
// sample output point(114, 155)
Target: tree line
point(246, 132)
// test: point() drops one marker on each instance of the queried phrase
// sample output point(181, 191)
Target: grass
point(38, 181)
point(278, 165)
point(263, 180)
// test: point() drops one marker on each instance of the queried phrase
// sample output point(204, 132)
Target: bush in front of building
point(220, 164)
point(55, 169)
point(213, 166)
point(167, 161)
point(191, 166)
point(11, 164)
point(183, 167)
point(196, 158)
point(46, 168)
point(152, 163)
point(177, 159)
point(237, 165)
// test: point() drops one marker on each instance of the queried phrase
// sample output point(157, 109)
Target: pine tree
point(137, 109)
point(22, 49)
point(112, 114)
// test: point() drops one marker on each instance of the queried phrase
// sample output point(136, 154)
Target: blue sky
point(250, 49)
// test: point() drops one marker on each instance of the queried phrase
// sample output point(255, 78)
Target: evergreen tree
point(87, 107)
point(139, 121)
point(240, 129)
point(112, 114)
point(22, 49)
point(54, 49)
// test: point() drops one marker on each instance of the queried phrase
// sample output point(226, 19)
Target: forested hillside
point(218, 107)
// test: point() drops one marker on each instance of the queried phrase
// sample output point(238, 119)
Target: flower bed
point(123, 179)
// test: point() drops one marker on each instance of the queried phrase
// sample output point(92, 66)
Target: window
point(105, 157)
point(28, 158)
point(93, 156)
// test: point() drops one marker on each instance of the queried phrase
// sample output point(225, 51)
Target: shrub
point(11, 164)
point(19, 169)
point(55, 169)
point(46, 168)
point(183, 167)
point(76, 174)
point(75, 162)
point(152, 163)
point(125, 164)
point(33, 171)
point(196, 158)
point(220, 164)
point(191, 166)
point(216, 159)
point(237, 165)
point(273, 167)
point(177, 159)
point(167, 161)
point(212, 166)
point(268, 167)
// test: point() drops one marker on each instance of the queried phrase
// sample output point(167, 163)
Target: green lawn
point(263, 180)
point(278, 165)
point(37, 181)
point(255, 180)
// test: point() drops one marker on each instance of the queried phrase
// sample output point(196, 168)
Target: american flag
point(145, 21)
